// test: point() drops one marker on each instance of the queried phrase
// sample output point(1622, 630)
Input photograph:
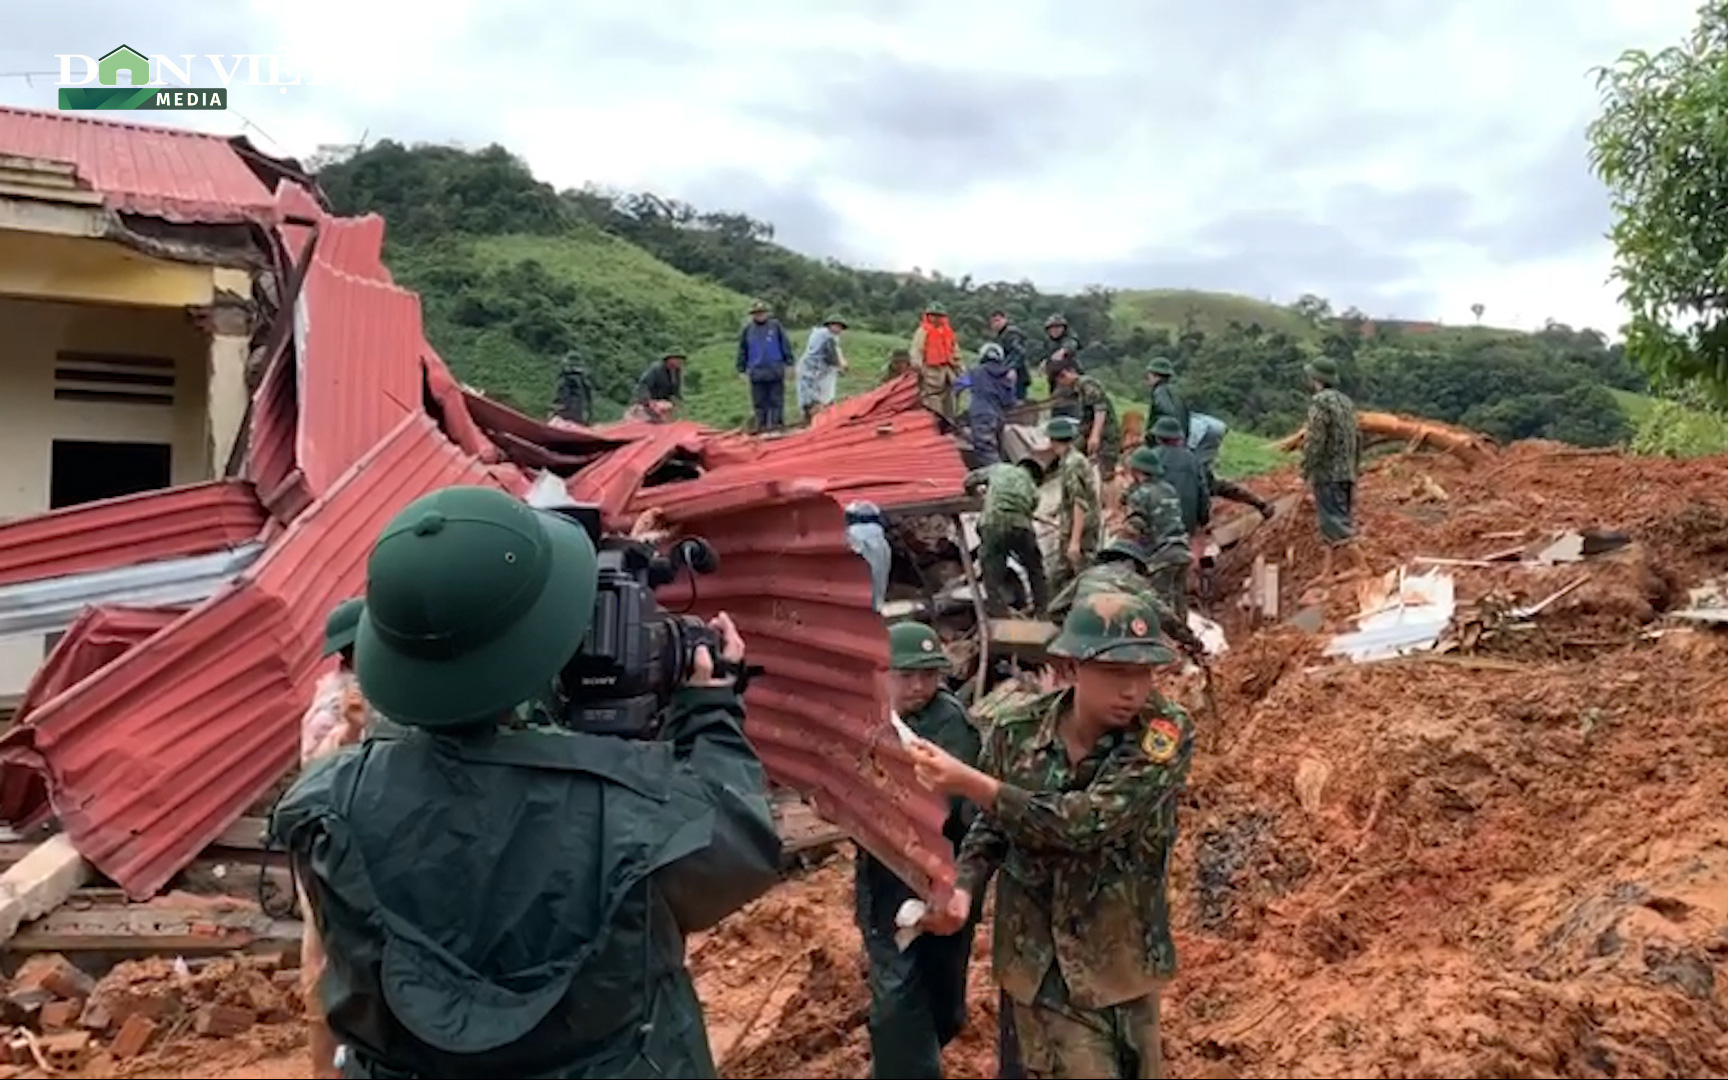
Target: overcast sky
point(1410, 158)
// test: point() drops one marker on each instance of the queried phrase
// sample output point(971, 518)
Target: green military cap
point(341, 624)
point(1323, 369)
point(1126, 547)
point(1056, 320)
point(1111, 628)
point(933, 308)
point(1160, 365)
point(834, 320)
point(474, 602)
point(1145, 460)
point(912, 646)
point(758, 308)
point(1168, 427)
point(673, 354)
point(1062, 428)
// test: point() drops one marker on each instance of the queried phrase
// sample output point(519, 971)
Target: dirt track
point(1517, 868)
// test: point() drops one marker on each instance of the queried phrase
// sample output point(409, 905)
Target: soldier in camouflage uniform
point(1155, 517)
point(1005, 529)
point(1331, 459)
point(1084, 398)
point(1124, 565)
point(917, 996)
point(1161, 377)
point(1078, 790)
point(1059, 344)
point(1080, 514)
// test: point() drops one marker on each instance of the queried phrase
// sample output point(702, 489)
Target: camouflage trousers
point(1064, 1042)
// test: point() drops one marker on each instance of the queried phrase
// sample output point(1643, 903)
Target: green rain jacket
point(515, 904)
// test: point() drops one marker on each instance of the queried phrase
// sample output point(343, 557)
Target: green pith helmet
point(673, 354)
point(1145, 460)
point(341, 624)
point(474, 601)
point(1062, 429)
point(758, 308)
point(1056, 320)
point(912, 646)
point(1168, 427)
point(1111, 628)
point(1126, 547)
point(834, 320)
point(1322, 369)
point(934, 308)
point(1161, 365)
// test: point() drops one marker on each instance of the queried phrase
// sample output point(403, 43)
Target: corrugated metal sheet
point(37, 607)
point(147, 764)
point(173, 174)
point(612, 481)
point(175, 522)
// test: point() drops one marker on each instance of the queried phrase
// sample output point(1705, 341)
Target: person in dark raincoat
point(500, 897)
point(917, 993)
point(990, 394)
point(573, 399)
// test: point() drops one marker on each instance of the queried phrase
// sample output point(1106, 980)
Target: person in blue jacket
point(763, 356)
point(990, 394)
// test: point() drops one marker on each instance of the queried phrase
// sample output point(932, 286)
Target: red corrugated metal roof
point(169, 173)
point(148, 763)
point(191, 520)
point(612, 481)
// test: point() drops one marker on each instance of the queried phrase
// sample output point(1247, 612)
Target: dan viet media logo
point(125, 78)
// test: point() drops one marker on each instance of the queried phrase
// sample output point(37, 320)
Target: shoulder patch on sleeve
point(1161, 741)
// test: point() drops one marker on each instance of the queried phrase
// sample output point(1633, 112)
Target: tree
point(1661, 147)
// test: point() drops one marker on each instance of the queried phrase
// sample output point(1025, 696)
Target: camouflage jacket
point(1154, 513)
point(1117, 576)
point(1079, 496)
point(1090, 399)
point(1332, 448)
point(1010, 497)
point(1084, 851)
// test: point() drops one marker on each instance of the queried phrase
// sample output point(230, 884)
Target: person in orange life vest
point(936, 358)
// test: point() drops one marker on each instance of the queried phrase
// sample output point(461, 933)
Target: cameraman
point(504, 900)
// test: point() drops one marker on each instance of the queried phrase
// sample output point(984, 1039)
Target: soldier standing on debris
point(1155, 519)
point(1080, 514)
point(1331, 461)
point(1061, 344)
point(1084, 398)
point(499, 898)
point(917, 994)
point(820, 367)
point(1013, 342)
point(1161, 378)
point(1206, 438)
point(1183, 471)
point(1078, 791)
point(990, 394)
point(659, 391)
point(1005, 529)
point(764, 354)
point(574, 398)
point(1125, 565)
point(936, 357)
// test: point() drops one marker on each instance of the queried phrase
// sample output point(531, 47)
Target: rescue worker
point(1005, 530)
point(1124, 565)
point(936, 358)
point(867, 536)
point(990, 394)
point(1206, 437)
point(899, 363)
point(917, 994)
point(504, 899)
point(1331, 461)
point(820, 368)
point(573, 399)
point(1182, 471)
point(1060, 344)
point(1161, 379)
point(1013, 342)
point(764, 354)
point(1084, 398)
point(1154, 511)
point(659, 391)
point(1077, 791)
point(1080, 514)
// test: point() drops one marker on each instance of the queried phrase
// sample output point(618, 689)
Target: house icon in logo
point(125, 58)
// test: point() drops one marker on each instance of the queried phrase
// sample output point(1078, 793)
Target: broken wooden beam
point(155, 927)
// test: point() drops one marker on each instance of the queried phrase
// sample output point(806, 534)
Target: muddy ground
point(1506, 863)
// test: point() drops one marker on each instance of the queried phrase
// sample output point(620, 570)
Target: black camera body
point(636, 653)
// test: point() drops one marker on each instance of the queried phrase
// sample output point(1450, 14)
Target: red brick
point(135, 1034)
point(60, 1015)
point(66, 1050)
point(54, 973)
point(222, 1021)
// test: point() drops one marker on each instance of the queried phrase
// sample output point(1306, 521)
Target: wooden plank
point(179, 929)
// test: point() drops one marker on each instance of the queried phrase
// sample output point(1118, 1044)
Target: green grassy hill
point(1213, 312)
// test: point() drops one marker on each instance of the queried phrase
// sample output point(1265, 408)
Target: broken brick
point(135, 1034)
point(96, 1016)
point(221, 1021)
point(55, 974)
point(60, 1015)
point(66, 1050)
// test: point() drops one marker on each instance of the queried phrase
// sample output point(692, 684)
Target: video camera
point(636, 653)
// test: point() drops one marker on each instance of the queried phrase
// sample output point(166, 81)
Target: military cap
point(474, 602)
point(1144, 459)
point(1111, 628)
point(1168, 427)
point(934, 308)
point(1062, 428)
point(1056, 320)
point(1322, 369)
point(1126, 547)
point(912, 646)
point(758, 308)
point(1160, 365)
point(341, 624)
point(835, 320)
point(673, 354)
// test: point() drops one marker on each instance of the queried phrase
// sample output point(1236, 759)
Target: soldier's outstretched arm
point(716, 765)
